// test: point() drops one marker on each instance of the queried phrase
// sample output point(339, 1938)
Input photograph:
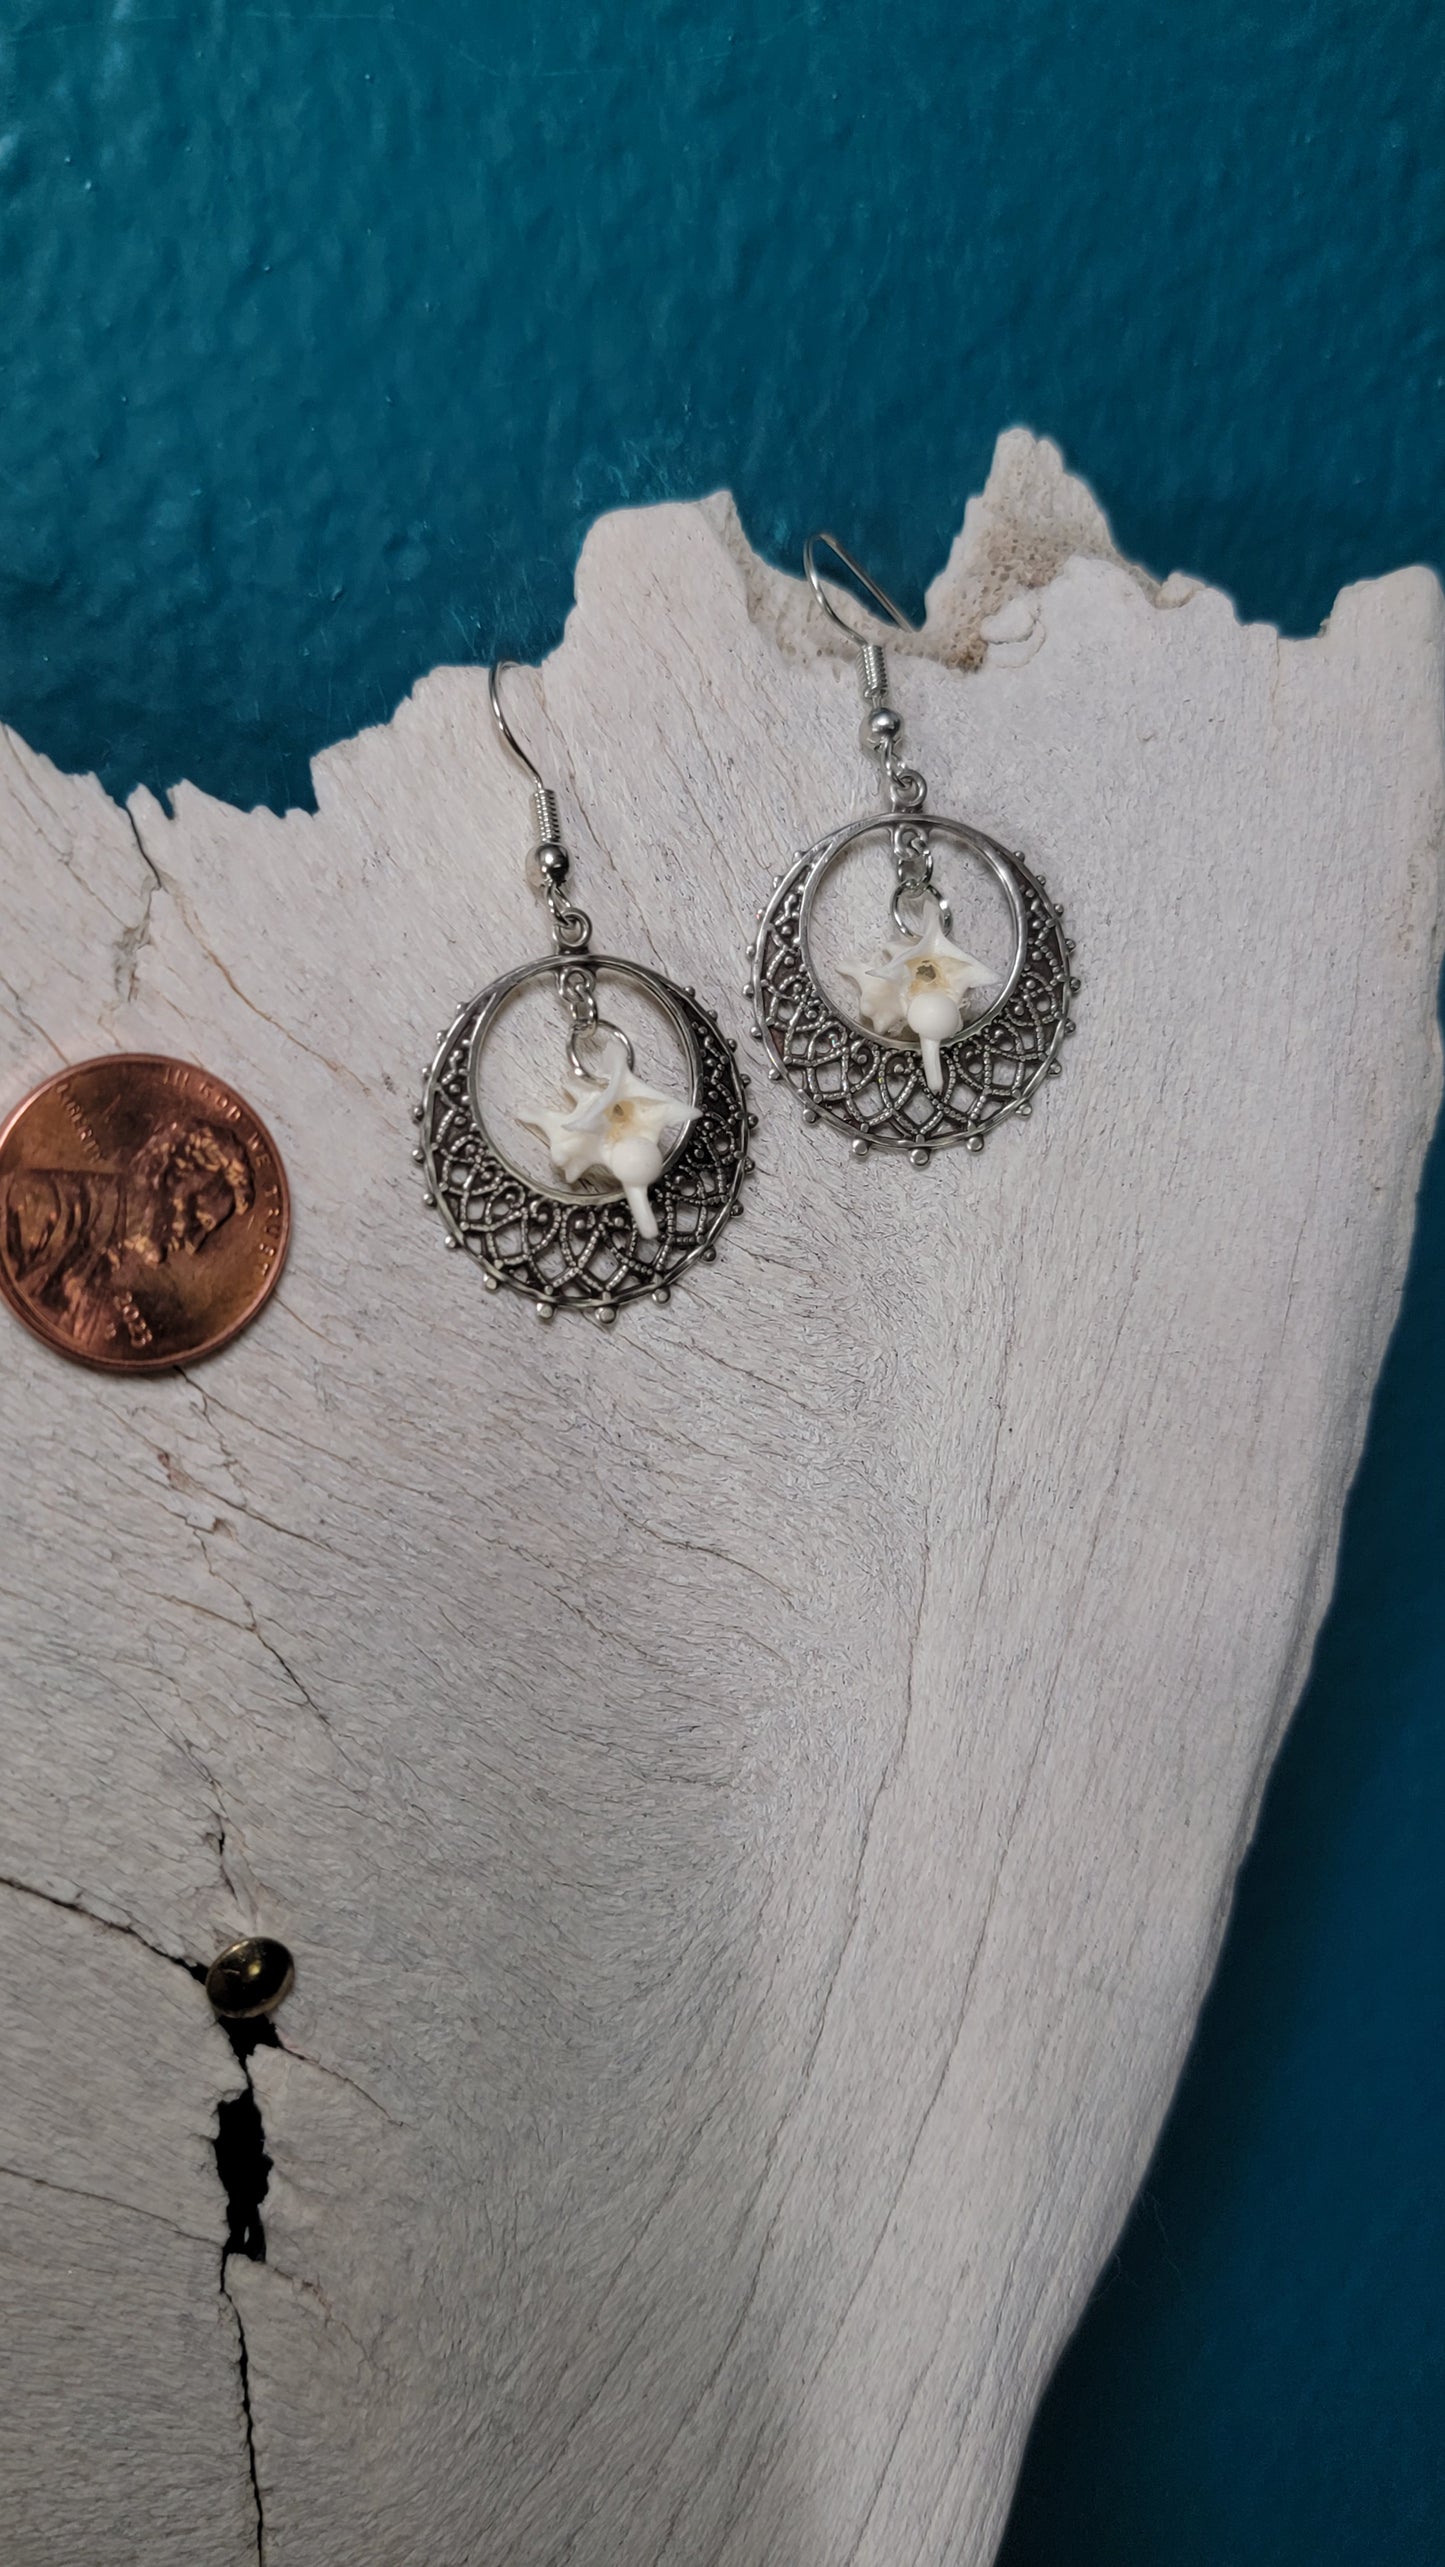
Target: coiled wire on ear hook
point(882, 726)
point(544, 800)
point(873, 665)
point(571, 927)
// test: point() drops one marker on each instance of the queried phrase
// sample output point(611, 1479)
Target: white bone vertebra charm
point(616, 1125)
point(914, 988)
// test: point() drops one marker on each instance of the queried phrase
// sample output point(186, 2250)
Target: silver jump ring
point(920, 891)
point(598, 1026)
point(906, 788)
point(571, 929)
point(577, 989)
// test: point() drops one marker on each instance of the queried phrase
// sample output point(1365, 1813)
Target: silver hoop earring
point(649, 1180)
point(941, 1047)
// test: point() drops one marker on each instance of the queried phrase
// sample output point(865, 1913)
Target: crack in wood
point(242, 2160)
point(244, 2168)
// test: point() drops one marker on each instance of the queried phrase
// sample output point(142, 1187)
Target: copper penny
point(144, 1212)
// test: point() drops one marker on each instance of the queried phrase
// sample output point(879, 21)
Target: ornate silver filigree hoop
point(872, 1085)
point(934, 1065)
point(629, 1216)
point(567, 1248)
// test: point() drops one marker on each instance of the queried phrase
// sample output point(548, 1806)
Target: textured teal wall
point(327, 332)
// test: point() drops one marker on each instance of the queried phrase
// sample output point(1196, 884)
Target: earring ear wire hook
point(892, 612)
point(508, 738)
point(544, 800)
point(880, 730)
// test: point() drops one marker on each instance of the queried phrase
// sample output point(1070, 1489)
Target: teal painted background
point(328, 331)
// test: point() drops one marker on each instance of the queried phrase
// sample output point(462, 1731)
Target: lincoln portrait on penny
point(82, 1243)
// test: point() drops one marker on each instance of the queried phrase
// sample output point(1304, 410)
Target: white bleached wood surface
point(754, 1798)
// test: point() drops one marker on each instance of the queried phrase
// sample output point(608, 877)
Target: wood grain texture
point(754, 1798)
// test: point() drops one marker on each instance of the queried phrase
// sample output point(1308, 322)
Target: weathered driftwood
point(753, 1797)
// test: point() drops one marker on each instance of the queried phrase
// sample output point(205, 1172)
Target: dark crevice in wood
point(245, 2172)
